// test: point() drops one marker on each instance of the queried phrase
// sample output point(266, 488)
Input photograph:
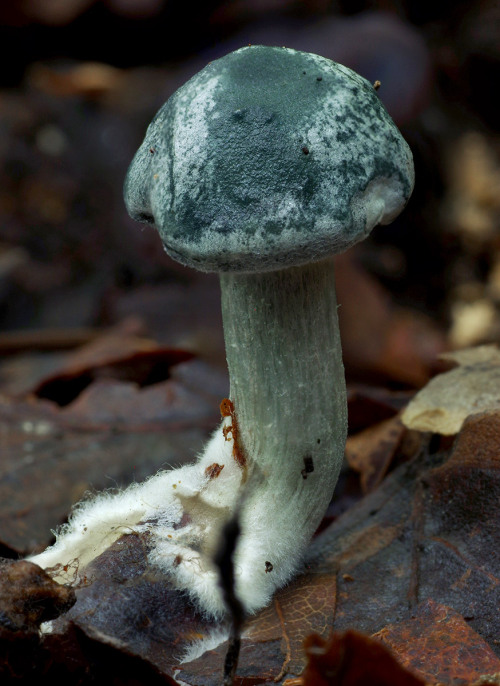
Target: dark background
point(81, 79)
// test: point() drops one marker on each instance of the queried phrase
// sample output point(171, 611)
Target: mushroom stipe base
point(286, 374)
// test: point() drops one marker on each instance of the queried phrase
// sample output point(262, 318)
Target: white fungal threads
point(182, 511)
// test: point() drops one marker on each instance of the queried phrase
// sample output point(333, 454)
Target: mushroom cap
point(268, 158)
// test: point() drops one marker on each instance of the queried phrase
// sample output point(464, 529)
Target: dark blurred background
point(81, 79)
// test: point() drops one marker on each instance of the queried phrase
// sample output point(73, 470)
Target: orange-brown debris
point(213, 470)
point(227, 410)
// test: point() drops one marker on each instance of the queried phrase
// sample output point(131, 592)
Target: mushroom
point(261, 167)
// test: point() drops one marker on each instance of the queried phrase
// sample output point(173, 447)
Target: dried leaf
point(371, 451)
point(426, 532)
point(448, 399)
point(125, 602)
point(118, 354)
point(353, 659)
point(473, 323)
point(439, 645)
point(301, 608)
point(114, 433)
point(368, 405)
point(272, 643)
point(379, 340)
point(28, 596)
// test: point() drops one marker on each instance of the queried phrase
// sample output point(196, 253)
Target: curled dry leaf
point(113, 433)
point(439, 645)
point(402, 346)
point(448, 399)
point(272, 643)
point(371, 451)
point(28, 596)
point(353, 659)
point(120, 353)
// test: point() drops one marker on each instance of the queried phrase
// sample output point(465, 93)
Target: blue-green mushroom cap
point(269, 158)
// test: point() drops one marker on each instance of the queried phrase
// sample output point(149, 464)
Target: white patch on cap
point(190, 134)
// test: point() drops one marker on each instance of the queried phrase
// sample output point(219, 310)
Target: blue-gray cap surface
point(269, 158)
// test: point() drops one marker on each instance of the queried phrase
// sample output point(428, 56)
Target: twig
point(224, 561)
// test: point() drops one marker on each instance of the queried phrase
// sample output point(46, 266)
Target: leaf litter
point(412, 563)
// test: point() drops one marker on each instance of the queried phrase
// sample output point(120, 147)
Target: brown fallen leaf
point(272, 642)
point(371, 451)
point(439, 645)
point(297, 611)
point(353, 659)
point(381, 341)
point(119, 353)
point(128, 603)
point(369, 405)
point(114, 433)
point(28, 597)
point(426, 532)
point(449, 398)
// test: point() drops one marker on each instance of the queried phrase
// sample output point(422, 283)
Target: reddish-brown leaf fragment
point(478, 444)
point(141, 367)
point(353, 659)
point(428, 531)
point(131, 605)
point(272, 642)
point(307, 605)
point(213, 470)
point(28, 596)
point(368, 405)
point(371, 451)
point(381, 341)
point(439, 645)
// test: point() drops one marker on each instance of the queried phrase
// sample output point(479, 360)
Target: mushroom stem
point(277, 457)
point(288, 391)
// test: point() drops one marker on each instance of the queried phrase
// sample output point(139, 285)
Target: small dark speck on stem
point(319, 78)
point(308, 466)
point(305, 150)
